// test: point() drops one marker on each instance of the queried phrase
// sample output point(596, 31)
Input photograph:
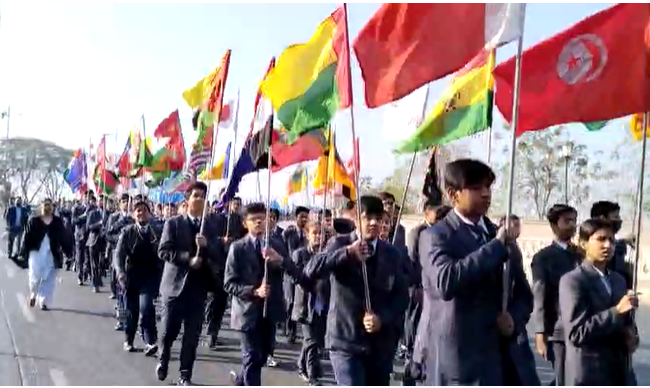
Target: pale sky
point(74, 71)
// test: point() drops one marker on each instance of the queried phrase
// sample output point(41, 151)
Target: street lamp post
point(566, 154)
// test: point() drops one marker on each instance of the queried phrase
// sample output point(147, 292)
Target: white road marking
point(24, 308)
point(58, 378)
point(10, 271)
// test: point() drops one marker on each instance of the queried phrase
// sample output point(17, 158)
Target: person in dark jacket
point(397, 230)
point(45, 243)
point(79, 219)
point(96, 243)
point(547, 267)
point(362, 325)
point(463, 258)
point(253, 277)
point(138, 273)
point(611, 211)
point(596, 311)
point(116, 223)
point(16, 218)
point(413, 367)
point(193, 264)
point(295, 237)
point(310, 309)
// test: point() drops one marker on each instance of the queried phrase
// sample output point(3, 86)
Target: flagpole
point(364, 269)
point(513, 150)
point(639, 206)
point(143, 142)
point(332, 148)
point(267, 234)
point(232, 157)
point(410, 174)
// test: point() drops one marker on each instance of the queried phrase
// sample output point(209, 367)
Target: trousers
point(256, 344)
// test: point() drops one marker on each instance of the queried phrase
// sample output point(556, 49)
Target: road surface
point(75, 344)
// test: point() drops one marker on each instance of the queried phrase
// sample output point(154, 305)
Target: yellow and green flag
point(464, 109)
point(297, 182)
point(310, 81)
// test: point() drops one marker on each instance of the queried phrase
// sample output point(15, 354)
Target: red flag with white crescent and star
point(596, 70)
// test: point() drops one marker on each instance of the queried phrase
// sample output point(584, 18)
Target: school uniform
point(310, 310)
point(596, 351)
point(359, 357)
point(244, 273)
point(462, 278)
point(294, 239)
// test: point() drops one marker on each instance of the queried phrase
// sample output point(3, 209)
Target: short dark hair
point(513, 217)
point(371, 205)
point(556, 212)
point(442, 211)
point(462, 174)
point(349, 205)
point(603, 209)
point(141, 203)
point(591, 226)
point(236, 199)
point(276, 213)
point(301, 209)
point(254, 208)
point(124, 197)
point(196, 186)
point(430, 204)
point(384, 195)
point(325, 213)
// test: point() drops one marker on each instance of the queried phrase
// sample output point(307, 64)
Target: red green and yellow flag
point(310, 81)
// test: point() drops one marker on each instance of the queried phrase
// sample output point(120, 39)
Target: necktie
point(479, 233)
point(258, 246)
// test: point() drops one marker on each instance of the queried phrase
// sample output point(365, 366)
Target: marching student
point(413, 365)
point(116, 222)
point(95, 221)
point(138, 271)
point(610, 211)
point(310, 308)
point(193, 264)
point(463, 257)
point(79, 218)
point(548, 266)
point(45, 243)
point(596, 308)
point(388, 201)
point(361, 339)
point(253, 277)
point(295, 237)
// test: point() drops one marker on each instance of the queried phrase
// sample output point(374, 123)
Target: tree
point(539, 172)
point(34, 165)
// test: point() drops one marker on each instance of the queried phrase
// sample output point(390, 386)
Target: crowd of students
point(451, 298)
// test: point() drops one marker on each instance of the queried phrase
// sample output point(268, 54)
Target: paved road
point(74, 343)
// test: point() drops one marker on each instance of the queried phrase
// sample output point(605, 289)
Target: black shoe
point(183, 382)
point(112, 297)
point(292, 338)
point(128, 347)
point(161, 372)
point(150, 350)
point(96, 290)
point(119, 326)
point(44, 308)
point(314, 383)
point(214, 343)
point(80, 282)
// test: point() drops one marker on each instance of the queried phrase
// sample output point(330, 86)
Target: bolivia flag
point(464, 109)
point(310, 81)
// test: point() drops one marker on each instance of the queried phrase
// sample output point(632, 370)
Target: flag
point(309, 146)
point(403, 117)
point(101, 152)
point(350, 165)
point(310, 81)
point(220, 169)
point(595, 126)
point(407, 45)
point(596, 70)
point(297, 182)
point(636, 126)
point(431, 188)
point(464, 109)
point(106, 181)
point(208, 88)
point(174, 155)
point(123, 166)
point(330, 170)
point(77, 171)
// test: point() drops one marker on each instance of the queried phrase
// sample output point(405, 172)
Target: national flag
point(76, 173)
point(220, 168)
point(123, 165)
point(464, 109)
point(310, 81)
point(596, 70)
point(402, 118)
point(407, 45)
point(309, 146)
point(204, 90)
point(330, 170)
point(636, 126)
point(297, 182)
point(106, 181)
point(101, 152)
point(170, 129)
point(431, 188)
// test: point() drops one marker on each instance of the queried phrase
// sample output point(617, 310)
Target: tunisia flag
point(596, 70)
